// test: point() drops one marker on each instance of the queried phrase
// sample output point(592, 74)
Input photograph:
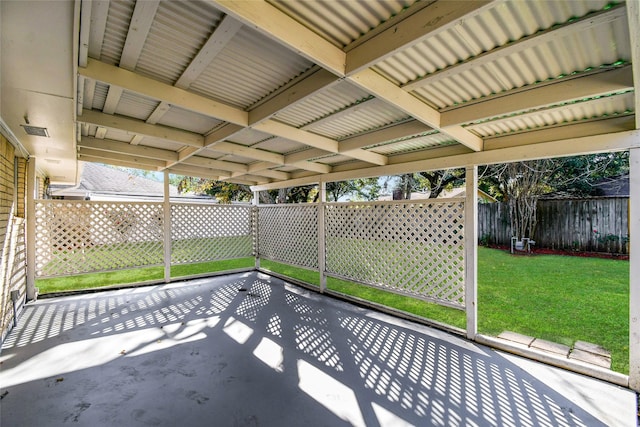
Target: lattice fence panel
point(289, 233)
point(203, 233)
point(416, 249)
point(74, 237)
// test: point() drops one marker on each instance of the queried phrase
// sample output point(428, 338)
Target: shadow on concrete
point(249, 350)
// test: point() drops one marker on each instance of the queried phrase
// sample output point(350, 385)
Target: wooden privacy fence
point(593, 225)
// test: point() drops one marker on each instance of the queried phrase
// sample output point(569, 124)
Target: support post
point(256, 227)
point(471, 250)
point(634, 269)
point(322, 199)
point(166, 227)
point(32, 291)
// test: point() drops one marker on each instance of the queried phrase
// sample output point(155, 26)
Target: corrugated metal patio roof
point(327, 90)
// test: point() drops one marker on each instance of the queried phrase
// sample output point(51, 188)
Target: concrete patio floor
point(250, 350)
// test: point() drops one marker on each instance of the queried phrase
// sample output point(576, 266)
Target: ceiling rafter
point(633, 20)
point(176, 96)
point(139, 127)
point(223, 33)
point(590, 20)
point(382, 88)
point(141, 21)
point(558, 148)
point(557, 91)
point(411, 28)
point(285, 30)
point(126, 148)
point(121, 157)
point(310, 83)
point(115, 162)
point(151, 88)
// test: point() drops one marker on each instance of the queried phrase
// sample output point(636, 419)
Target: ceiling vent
point(35, 130)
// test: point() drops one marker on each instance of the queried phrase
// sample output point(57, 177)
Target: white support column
point(634, 269)
point(322, 199)
point(166, 209)
point(471, 250)
point(256, 204)
point(32, 291)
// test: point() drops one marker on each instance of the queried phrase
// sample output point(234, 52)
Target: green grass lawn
point(556, 298)
point(94, 280)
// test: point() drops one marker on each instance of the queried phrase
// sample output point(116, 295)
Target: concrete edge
point(368, 304)
point(144, 283)
point(555, 360)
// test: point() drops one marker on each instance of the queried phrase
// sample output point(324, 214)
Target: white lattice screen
point(413, 248)
point(210, 232)
point(74, 237)
point(289, 233)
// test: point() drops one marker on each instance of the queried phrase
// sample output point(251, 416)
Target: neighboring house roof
point(614, 187)
point(607, 187)
point(97, 180)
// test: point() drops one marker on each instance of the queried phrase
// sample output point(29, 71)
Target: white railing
point(411, 248)
point(414, 248)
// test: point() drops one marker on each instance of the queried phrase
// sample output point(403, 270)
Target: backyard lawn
point(556, 298)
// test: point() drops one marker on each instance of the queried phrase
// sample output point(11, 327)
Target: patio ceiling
point(281, 93)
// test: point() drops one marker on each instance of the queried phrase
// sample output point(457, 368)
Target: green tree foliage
point(433, 181)
point(521, 184)
point(358, 189)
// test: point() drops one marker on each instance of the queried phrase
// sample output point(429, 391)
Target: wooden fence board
point(593, 225)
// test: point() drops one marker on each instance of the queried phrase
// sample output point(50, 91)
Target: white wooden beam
point(112, 146)
point(252, 153)
point(389, 133)
point(634, 269)
point(141, 20)
point(223, 33)
point(139, 127)
point(115, 162)
point(315, 80)
point(161, 91)
point(99, 14)
point(289, 132)
point(555, 32)
point(285, 30)
point(269, 173)
point(300, 156)
point(437, 16)
point(113, 98)
point(366, 156)
point(382, 88)
point(561, 132)
point(85, 26)
point(139, 27)
point(558, 148)
point(633, 19)
point(471, 250)
point(311, 166)
point(221, 133)
point(541, 95)
point(109, 155)
point(216, 164)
